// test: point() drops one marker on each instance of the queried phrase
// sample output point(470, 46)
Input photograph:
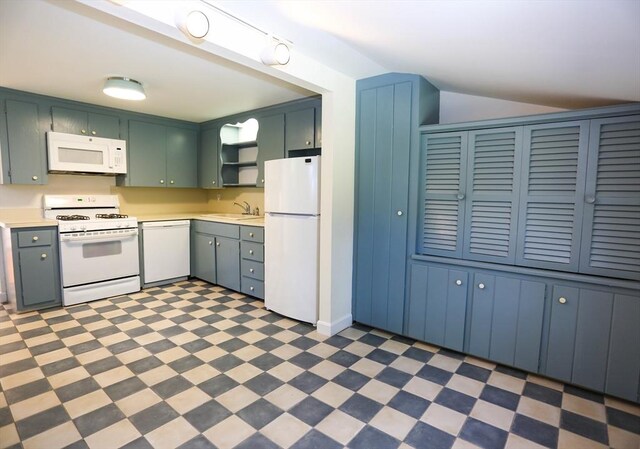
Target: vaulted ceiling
point(568, 54)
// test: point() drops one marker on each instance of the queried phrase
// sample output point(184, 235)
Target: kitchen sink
point(233, 216)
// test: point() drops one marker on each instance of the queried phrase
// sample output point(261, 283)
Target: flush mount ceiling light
point(194, 24)
point(275, 53)
point(124, 88)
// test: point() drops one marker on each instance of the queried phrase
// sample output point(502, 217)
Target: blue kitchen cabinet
point(300, 129)
point(611, 223)
point(22, 141)
point(209, 158)
point(437, 305)
point(623, 364)
point(182, 157)
point(252, 260)
point(552, 195)
point(76, 121)
point(506, 320)
point(216, 253)
point(203, 263)
point(32, 268)
point(389, 110)
point(161, 156)
point(579, 333)
point(270, 142)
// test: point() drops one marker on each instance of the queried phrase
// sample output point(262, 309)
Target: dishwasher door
point(165, 246)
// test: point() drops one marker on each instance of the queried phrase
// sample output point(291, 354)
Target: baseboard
point(334, 327)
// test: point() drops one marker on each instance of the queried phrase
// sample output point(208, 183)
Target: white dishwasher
point(165, 246)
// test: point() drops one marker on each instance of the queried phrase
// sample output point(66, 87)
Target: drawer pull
point(251, 270)
point(458, 282)
point(562, 300)
point(162, 181)
point(251, 288)
point(43, 256)
point(35, 238)
point(481, 286)
point(251, 234)
point(171, 182)
point(250, 251)
point(35, 178)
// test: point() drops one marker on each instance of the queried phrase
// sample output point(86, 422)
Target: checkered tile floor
point(195, 366)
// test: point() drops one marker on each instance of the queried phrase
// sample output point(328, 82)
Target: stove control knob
point(83, 228)
point(73, 228)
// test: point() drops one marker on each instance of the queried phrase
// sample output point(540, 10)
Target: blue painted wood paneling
point(562, 332)
point(623, 365)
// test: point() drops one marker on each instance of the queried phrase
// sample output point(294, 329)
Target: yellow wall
point(150, 200)
point(222, 200)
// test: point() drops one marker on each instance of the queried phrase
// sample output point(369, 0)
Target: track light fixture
point(193, 23)
point(275, 52)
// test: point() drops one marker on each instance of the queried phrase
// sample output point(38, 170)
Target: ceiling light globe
point(124, 89)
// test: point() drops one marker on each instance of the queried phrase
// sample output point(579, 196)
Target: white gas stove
point(98, 246)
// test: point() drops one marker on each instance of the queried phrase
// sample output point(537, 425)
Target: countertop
point(32, 219)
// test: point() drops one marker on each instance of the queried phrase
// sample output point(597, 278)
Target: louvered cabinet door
point(611, 229)
point(444, 162)
point(551, 195)
point(491, 209)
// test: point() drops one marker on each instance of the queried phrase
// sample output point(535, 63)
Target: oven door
point(98, 256)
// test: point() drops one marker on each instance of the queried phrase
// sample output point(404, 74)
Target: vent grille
point(494, 159)
point(549, 232)
point(615, 242)
point(490, 228)
point(553, 163)
point(619, 159)
point(443, 164)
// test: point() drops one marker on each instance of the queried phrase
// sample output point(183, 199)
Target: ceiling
point(567, 54)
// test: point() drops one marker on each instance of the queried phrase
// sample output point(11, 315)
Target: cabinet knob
point(171, 182)
point(590, 199)
point(399, 213)
point(83, 131)
point(213, 182)
point(35, 238)
point(251, 234)
point(308, 142)
point(251, 288)
point(263, 181)
point(35, 178)
point(162, 181)
point(250, 251)
point(210, 242)
point(217, 243)
point(562, 300)
point(481, 286)
point(458, 282)
point(251, 270)
point(460, 196)
point(93, 133)
point(43, 256)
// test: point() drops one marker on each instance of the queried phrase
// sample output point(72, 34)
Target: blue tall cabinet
point(514, 240)
point(389, 110)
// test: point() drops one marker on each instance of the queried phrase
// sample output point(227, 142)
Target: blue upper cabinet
point(389, 110)
point(270, 142)
point(611, 226)
point(491, 203)
point(22, 143)
point(75, 121)
point(551, 196)
point(209, 158)
point(444, 161)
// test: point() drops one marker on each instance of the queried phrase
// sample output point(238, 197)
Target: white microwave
point(72, 153)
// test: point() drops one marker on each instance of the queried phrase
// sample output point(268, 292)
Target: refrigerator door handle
point(280, 214)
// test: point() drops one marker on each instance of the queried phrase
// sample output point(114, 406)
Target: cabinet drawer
point(252, 251)
point(252, 234)
point(34, 238)
point(253, 287)
point(253, 269)
point(221, 229)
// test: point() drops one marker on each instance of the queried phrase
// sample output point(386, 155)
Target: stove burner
point(110, 216)
point(71, 217)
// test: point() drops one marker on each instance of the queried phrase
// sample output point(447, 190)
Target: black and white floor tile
point(192, 365)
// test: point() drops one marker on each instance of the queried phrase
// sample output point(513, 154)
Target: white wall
point(456, 108)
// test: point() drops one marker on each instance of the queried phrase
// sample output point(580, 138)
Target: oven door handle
point(101, 237)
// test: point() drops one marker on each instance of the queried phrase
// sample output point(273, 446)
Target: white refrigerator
point(292, 229)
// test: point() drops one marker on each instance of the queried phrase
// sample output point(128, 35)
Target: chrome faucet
point(246, 208)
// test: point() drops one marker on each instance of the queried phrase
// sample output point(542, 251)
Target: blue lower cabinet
point(506, 320)
point(593, 340)
point(437, 305)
